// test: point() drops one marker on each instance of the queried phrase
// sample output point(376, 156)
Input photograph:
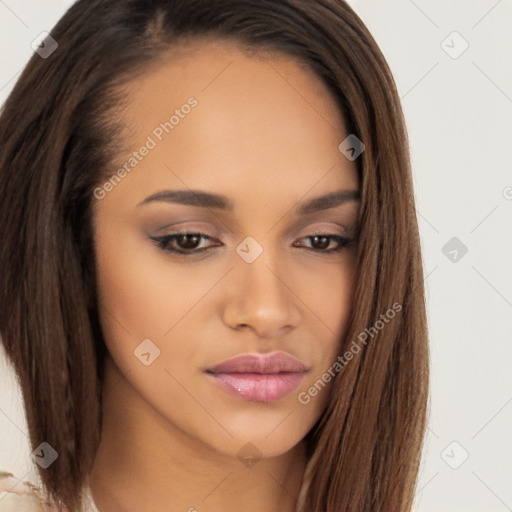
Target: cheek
point(328, 293)
point(329, 296)
point(143, 295)
point(138, 289)
point(126, 297)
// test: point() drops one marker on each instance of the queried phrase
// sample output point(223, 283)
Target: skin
point(265, 134)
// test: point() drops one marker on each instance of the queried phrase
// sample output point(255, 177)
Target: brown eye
point(188, 241)
point(320, 242)
point(323, 243)
point(182, 243)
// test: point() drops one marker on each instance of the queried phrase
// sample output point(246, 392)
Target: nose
point(262, 298)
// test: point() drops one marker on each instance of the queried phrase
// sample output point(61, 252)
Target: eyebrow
point(211, 200)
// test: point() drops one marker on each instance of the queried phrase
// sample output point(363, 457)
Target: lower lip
point(257, 387)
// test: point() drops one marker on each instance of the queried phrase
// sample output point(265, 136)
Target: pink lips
point(259, 378)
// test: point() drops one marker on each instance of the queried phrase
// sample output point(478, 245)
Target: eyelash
point(163, 243)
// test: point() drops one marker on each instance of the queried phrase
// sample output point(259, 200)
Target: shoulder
point(17, 495)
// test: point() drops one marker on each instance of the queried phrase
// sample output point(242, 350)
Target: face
point(213, 243)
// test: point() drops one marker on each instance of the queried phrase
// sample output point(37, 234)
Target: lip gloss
point(258, 387)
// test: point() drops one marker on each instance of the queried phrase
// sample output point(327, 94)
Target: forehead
point(258, 121)
point(221, 74)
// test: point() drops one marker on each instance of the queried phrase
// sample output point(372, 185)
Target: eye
point(326, 243)
point(189, 243)
point(182, 243)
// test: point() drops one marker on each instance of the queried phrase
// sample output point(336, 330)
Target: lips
point(259, 378)
point(256, 363)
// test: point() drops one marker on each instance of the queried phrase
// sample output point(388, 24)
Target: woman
point(212, 290)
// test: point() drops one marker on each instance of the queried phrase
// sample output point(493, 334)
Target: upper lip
point(260, 363)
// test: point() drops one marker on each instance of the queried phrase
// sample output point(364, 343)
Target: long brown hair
point(58, 136)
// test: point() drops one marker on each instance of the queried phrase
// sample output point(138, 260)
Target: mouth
point(259, 378)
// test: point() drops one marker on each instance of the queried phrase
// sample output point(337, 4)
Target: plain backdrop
point(452, 65)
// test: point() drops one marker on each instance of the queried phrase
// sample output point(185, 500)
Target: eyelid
point(326, 230)
point(331, 229)
point(187, 227)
